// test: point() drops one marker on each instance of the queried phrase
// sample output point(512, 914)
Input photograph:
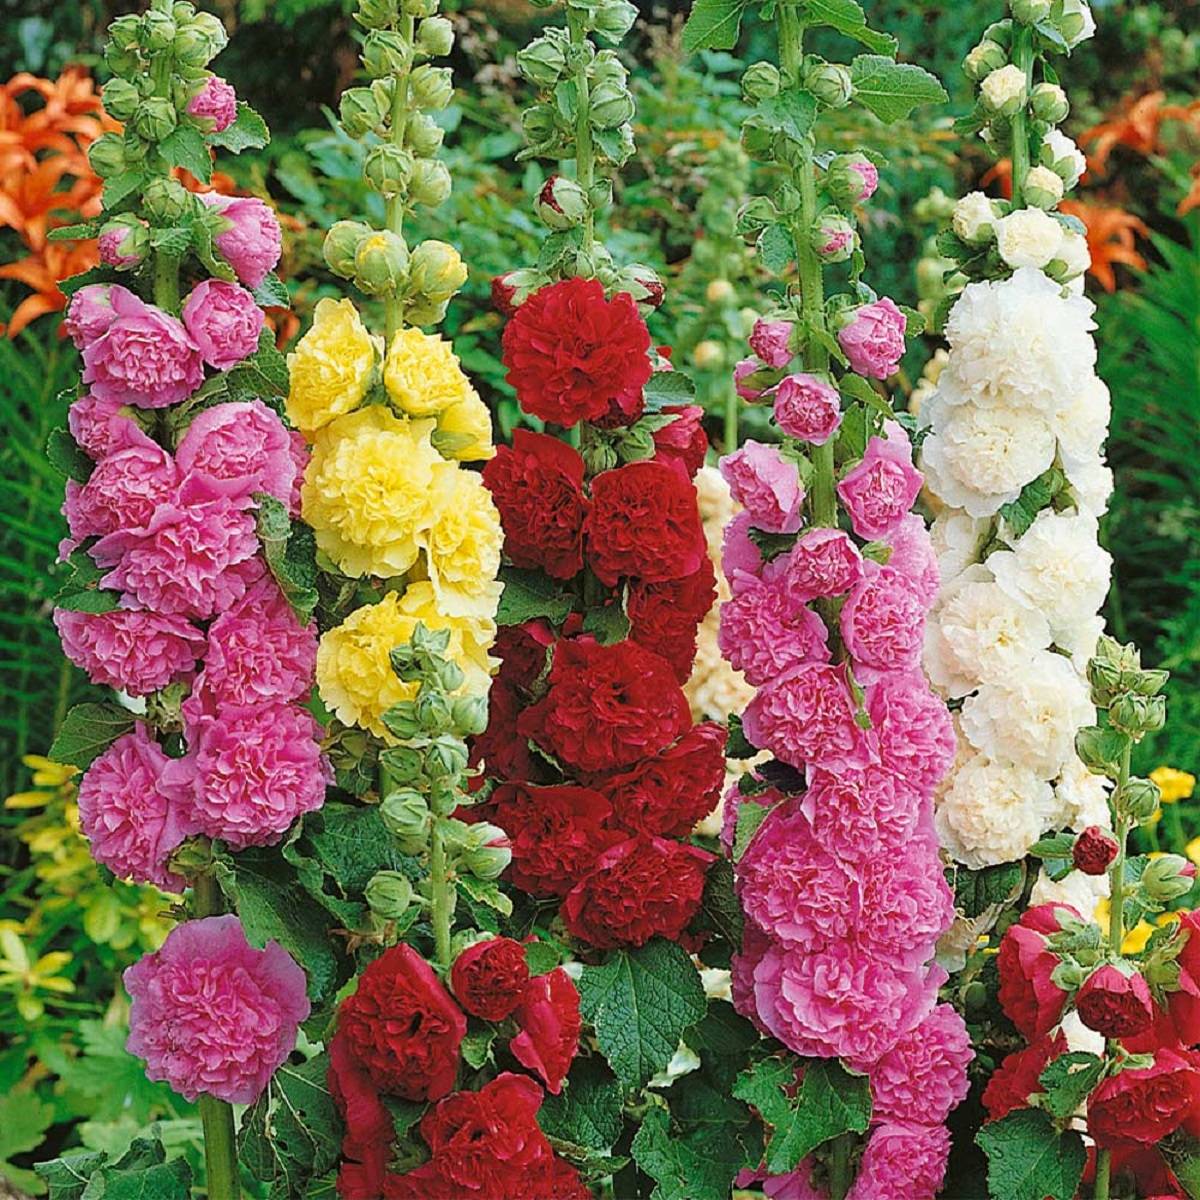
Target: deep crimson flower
point(505, 752)
point(1030, 998)
point(1144, 1105)
point(644, 523)
point(366, 1145)
point(538, 488)
point(402, 1027)
point(1094, 850)
point(524, 653)
point(489, 978)
point(549, 1025)
point(664, 617)
point(574, 356)
point(641, 888)
point(684, 438)
point(607, 706)
point(1184, 1004)
point(1115, 1003)
point(1016, 1078)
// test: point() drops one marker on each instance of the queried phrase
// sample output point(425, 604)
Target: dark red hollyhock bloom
point(502, 295)
point(1031, 1000)
point(1094, 851)
point(489, 978)
point(607, 706)
point(549, 1025)
point(1184, 1004)
point(504, 751)
point(537, 485)
point(1142, 1106)
point(684, 438)
point(664, 617)
point(644, 524)
point(524, 653)
point(367, 1143)
point(555, 1179)
point(641, 888)
point(574, 356)
point(666, 795)
point(557, 834)
point(402, 1027)
point(1016, 1078)
point(1115, 1003)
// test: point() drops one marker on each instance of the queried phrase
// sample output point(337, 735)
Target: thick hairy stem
point(732, 402)
point(1023, 58)
point(166, 281)
point(441, 890)
point(585, 152)
point(395, 204)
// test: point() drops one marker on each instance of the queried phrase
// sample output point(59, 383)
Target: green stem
point(585, 153)
point(732, 404)
point(1103, 1174)
point(393, 313)
point(441, 895)
point(166, 281)
point(1023, 58)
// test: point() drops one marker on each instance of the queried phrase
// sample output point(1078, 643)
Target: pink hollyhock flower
point(223, 320)
point(252, 243)
point(193, 559)
point(769, 340)
point(765, 630)
point(102, 427)
point(915, 733)
point(883, 621)
point(116, 250)
point(924, 1075)
point(880, 490)
point(212, 1015)
point(795, 1185)
point(1030, 998)
point(130, 650)
point(766, 485)
point(866, 170)
point(906, 902)
point(144, 358)
point(808, 408)
point(840, 1002)
point(244, 444)
point(903, 1160)
point(913, 555)
point(807, 717)
point(741, 559)
point(746, 367)
point(123, 493)
point(1115, 1002)
point(873, 339)
point(858, 814)
point(258, 653)
point(249, 773)
point(91, 312)
point(125, 814)
point(823, 562)
point(548, 1025)
point(216, 101)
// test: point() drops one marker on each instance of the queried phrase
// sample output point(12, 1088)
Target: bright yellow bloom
point(422, 375)
point(1173, 784)
point(331, 366)
point(354, 675)
point(464, 430)
point(462, 546)
point(1136, 938)
point(368, 491)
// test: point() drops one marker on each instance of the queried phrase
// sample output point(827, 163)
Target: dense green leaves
point(141, 1173)
point(185, 147)
point(1068, 1080)
point(24, 1120)
point(248, 132)
point(528, 595)
point(847, 17)
point(588, 1110)
point(891, 90)
point(65, 456)
point(685, 1165)
point(291, 553)
point(975, 891)
point(88, 730)
point(1029, 1159)
point(713, 25)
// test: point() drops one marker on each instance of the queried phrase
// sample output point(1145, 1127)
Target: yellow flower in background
point(1174, 785)
point(422, 374)
point(1192, 850)
point(368, 491)
point(462, 545)
point(464, 430)
point(1136, 938)
point(330, 367)
point(26, 976)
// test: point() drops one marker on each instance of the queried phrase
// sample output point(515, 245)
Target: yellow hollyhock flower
point(462, 546)
point(330, 368)
point(464, 430)
point(422, 374)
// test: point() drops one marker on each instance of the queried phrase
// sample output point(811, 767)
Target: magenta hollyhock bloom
point(766, 485)
point(124, 492)
point(90, 313)
point(906, 902)
point(769, 340)
point(243, 444)
point(216, 101)
point(252, 243)
point(102, 427)
point(823, 562)
point(211, 1014)
point(795, 1185)
point(125, 814)
point(883, 621)
point(223, 320)
point(747, 366)
point(128, 649)
point(924, 1075)
point(862, 813)
point(916, 735)
point(873, 339)
point(249, 773)
point(144, 358)
point(903, 1160)
point(741, 559)
point(755, 945)
point(912, 554)
point(765, 630)
point(880, 490)
point(808, 408)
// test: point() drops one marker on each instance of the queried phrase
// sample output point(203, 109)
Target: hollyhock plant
point(124, 492)
point(881, 489)
point(90, 313)
point(102, 427)
point(808, 408)
point(1031, 999)
point(766, 630)
point(548, 1025)
point(923, 1077)
point(873, 338)
point(769, 340)
point(216, 101)
point(1115, 1003)
point(766, 485)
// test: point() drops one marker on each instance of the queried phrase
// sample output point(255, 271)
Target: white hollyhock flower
point(1018, 342)
point(1082, 892)
point(1074, 255)
point(1057, 567)
point(1092, 482)
point(974, 218)
point(1081, 797)
point(957, 539)
point(1028, 237)
point(1062, 155)
point(978, 632)
point(992, 812)
point(1081, 422)
point(1080, 642)
point(1004, 89)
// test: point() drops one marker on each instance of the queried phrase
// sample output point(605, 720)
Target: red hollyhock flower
point(505, 752)
point(524, 653)
point(644, 524)
point(549, 1022)
point(1184, 1004)
point(1144, 1106)
point(642, 888)
point(1030, 999)
point(574, 356)
point(367, 1143)
point(1094, 851)
point(538, 488)
point(666, 795)
point(555, 1179)
point(489, 978)
point(402, 1027)
point(607, 706)
point(684, 438)
point(1016, 1078)
point(664, 617)
point(1115, 1003)
point(558, 834)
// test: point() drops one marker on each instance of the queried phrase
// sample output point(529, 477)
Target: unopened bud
point(106, 155)
point(430, 87)
point(614, 19)
point(433, 710)
point(423, 135)
point(446, 756)
point(543, 61)
point(381, 263)
point(1137, 800)
point(851, 178)
point(389, 894)
point(377, 14)
point(1167, 878)
point(435, 37)
point(121, 99)
point(124, 242)
point(341, 245)
point(760, 81)
point(1074, 20)
point(1030, 12)
point(1138, 715)
point(405, 815)
point(1043, 188)
point(758, 138)
point(833, 238)
point(1094, 851)
point(200, 41)
point(488, 851)
point(158, 30)
point(430, 183)
point(643, 284)
point(386, 52)
point(436, 271)
point(983, 59)
point(470, 715)
point(389, 169)
point(166, 201)
point(125, 32)
point(1004, 91)
point(1048, 102)
point(155, 118)
point(363, 109)
point(611, 105)
point(829, 82)
point(562, 203)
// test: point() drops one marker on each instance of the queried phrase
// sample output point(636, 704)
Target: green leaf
point(68, 1177)
point(719, 909)
point(24, 1119)
point(776, 249)
point(749, 817)
point(248, 132)
point(542, 957)
point(290, 550)
point(486, 891)
point(528, 595)
point(857, 388)
point(667, 388)
point(175, 240)
point(975, 891)
point(891, 90)
point(713, 25)
point(609, 624)
point(185, 147)
point(121, 187)
point(1028, 1159)
point(112, 1080)
point(74, 233)
point(791, 112)
point(66, 457)
point(1068, 1080)
point(686, 1166)
point(1020, 513)
point(272, 293)
point(476, 1047)
point(293, 1131)
point(588, 1110)
point(264, 374)
point(142, 1173)
point(87, 731)
point(737, 745)
point(640, 1002)
point(830, 1102)
point(848, 18)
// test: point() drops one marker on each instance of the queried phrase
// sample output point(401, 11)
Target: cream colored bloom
point(1028, 237)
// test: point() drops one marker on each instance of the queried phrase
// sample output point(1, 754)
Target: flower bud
point(381, 263)
point(540, 126)
point(829, 82)
point(614, 19)
point(758, 138)
point(488, 851)
point(543, 61)
point(1048, 102)
point(611, 105)
point(446, 756)
point(182, 11)
point(760, 81)
point(643, 284)
point(430, 87)
point(1138, 715)
point(1137, 800)
point(158, 30)
point(562, 203)
point(433, 711)
point(435, 271)
point(513, 288)
point(362, 109)
point(851, 178)
point(719, 291)
point(423, 135)
point(1043, 188)
point(606, 68)
point(341, 245)
point(1067, 976)
point(1062, 156)
point(405, 815)
point(430, 184)
point(1094, 851)
point(974, 219)
point(1004, 91)
point(106, 155)
point(1030, 12)
point(1167, 878)
point(377, 14)
point(389, 169)
point(425, 312)
point(707, 355)
point(389, 894)
point(983, 59)
point(124, 242)
point(125, 32)
point(199, 41)
point(435, 37)
point(470, 715)
point(599, 454)
point(1115, 1001)
point(121, 99)
point(155, 118)
point(124, 63)
point(832, 237)
point(386, 52)
point(166, 201)
point(419, 8)
point(1074, 20)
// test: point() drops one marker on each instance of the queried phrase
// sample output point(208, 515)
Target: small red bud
point(1094, 851)
point(502, 296)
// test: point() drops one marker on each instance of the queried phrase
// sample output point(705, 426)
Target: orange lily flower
point(1111, 233)
point(42, 272)
point(1136, 125)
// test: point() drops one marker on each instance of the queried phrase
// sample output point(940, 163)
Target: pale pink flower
point(912, 554)
point(224, 322)
point(769, 340)
point(741, 559)
point(747, 366)
point(766, 485)
point(252, 243)
point(903, 1160)
point(883, 621)
point(244, 444)
point(882, 487)
point(117, 250)
point(216, 101)
point(924, 1075)
point(823, 562)
point(873, 339)
point(808, 408)
point(764, 630)
point(103, 427)
point(915, 734)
